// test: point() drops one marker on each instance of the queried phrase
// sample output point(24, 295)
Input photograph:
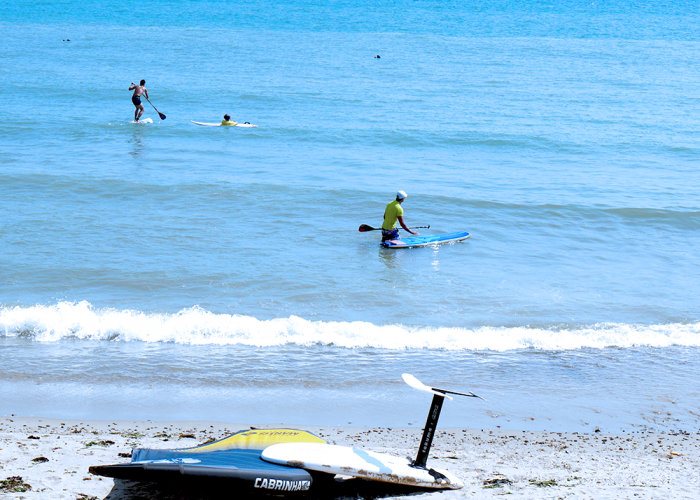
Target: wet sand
point(53, 456)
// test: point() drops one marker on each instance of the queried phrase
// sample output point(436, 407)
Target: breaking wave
point(197, 326)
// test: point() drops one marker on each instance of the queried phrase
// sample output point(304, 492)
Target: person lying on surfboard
point(228, 122)
point(139, 90)
point(393, 213)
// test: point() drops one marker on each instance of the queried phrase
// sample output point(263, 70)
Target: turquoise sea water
point(175, 271)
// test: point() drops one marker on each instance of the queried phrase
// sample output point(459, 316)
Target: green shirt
point(391, 215)
point(227, 123)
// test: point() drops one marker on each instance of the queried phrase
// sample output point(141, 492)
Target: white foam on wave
point(198, 326)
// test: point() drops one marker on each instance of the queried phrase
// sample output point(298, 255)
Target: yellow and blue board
point(236, 458)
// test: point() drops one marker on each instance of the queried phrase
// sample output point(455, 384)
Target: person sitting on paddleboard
point(393, 213)
point(139, 90)
point(228, 122)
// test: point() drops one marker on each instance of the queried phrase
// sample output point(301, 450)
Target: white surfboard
point(142, 122)
point(358, 463)
point(244, 125)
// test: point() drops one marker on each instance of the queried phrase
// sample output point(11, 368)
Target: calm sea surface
point(170, 271)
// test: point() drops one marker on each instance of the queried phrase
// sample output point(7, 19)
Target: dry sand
point(52, 457)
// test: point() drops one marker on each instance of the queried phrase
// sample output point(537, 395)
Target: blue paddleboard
point(421, 241)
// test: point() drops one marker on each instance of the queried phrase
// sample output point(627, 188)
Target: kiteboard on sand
point(244, 125)
point(142, 122)
point(370, 465)
point(235, 458)
point(422, 241)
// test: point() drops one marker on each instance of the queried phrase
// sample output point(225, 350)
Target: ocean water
point(170, 271)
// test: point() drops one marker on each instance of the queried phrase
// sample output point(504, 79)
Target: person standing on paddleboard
point(393, 213)
point(139, 90)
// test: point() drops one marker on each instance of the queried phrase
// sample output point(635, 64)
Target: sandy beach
point(52, 458)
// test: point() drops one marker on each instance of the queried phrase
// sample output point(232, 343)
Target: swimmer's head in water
point(227, 117)
point(143, 82)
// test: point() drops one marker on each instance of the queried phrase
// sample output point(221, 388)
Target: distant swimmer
point(377, 57)
point(139, 90)
point(228, 122)
point(393, 213)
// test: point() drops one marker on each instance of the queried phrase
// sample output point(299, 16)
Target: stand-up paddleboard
point(422, 241)
point(235, 458)
point(142, 122)
point(244, 125)
point(370, 465)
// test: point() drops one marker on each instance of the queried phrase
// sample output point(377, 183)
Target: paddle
point(162, 116)
point(365, 227)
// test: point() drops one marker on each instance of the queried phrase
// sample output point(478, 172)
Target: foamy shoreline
point(198, 326)
point(529, 464)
